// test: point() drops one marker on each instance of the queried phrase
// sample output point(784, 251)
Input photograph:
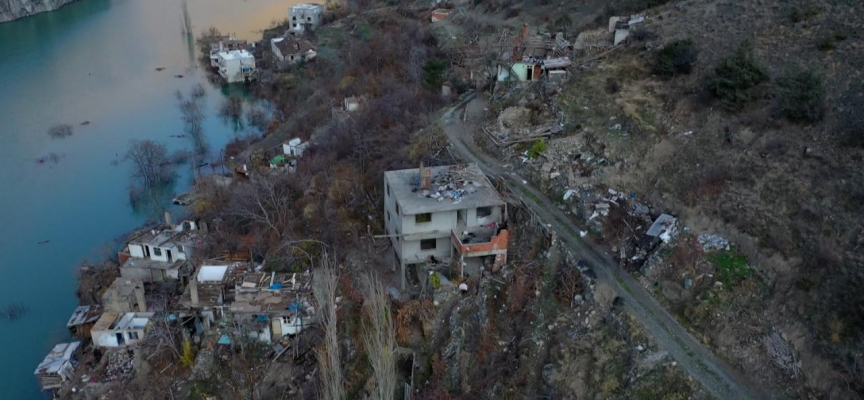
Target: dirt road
point(716, 376)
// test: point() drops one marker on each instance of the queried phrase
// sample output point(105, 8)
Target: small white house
point(226, 44)
point(236, 65)
point(305, 16)
point(292, 50)
point(120, 330)
point(295, 147)
point(57, 366)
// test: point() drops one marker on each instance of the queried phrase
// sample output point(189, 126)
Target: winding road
point(717, 377)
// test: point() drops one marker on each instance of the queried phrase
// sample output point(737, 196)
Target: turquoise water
point(95, 61)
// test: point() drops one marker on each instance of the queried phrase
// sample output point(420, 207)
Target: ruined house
point(305, 17)
point(161, 255)
point(58, 366)
point(445, 213)
point(121, 329)
point(261, 304)
point(82, 320)
point(291, 50)
point(125, 295)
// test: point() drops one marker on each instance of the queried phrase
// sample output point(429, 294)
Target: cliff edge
point(13, 9)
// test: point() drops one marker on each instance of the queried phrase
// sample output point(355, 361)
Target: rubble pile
point(452, 185)
point(119, 366)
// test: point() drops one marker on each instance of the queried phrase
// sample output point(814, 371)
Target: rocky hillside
point(13, 9)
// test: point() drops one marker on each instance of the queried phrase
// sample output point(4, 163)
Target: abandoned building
point(265, 305)
point(305, 17)
point(291, 50)
point(439, 14)
point(225, 44)
point(533, 69)
point(162, 255)
point(295, 147)
point(82, 320)
point(120, 329)
point(125, 295)
point(58, 366)
point(236, 65)
point(448, 212)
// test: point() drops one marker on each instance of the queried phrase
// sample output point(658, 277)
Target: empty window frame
point(483, 212)
point(428, 244)
point(423, 218)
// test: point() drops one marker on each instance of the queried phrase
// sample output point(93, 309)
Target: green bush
point(801, 96)
point(537, 148)
point(737, 78)
point(677, 57)
point(433, 74)
point(731, 267)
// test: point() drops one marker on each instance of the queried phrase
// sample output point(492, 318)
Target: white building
point(120, 330)
point(162, 255)
point(236, 65)
point(295, 147)
point(226, 44)
point(292, 50)
point(305, 16)
point(57, 366)
point(442, 213)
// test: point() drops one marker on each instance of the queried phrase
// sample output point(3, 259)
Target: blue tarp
point(276, 286)
point(224, 339)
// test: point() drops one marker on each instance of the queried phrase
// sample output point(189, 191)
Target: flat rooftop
point(454, 187)
point(307, 6)
point(235, 54)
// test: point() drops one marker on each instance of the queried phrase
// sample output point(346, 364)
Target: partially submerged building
point(305, 17)
point(58, 366)
point(447, 212)
point(224, 45)
point(236, 65)
point(121, 329)
point(292, 50)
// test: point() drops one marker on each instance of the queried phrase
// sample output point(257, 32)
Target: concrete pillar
point(404, 280)
point(139, 297)
point(193, 290)
point(168, 220)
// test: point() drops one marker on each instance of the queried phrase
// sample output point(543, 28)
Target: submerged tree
point(192, 114)
point(232, 110)
point(150, 163)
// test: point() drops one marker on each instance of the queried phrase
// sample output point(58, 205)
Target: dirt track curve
point(720, 380)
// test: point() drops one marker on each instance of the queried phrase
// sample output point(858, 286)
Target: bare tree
point(379, 337)
point(265, 201)
point(150, 162)
point(192, 113)
point(328, 354)
point(232, 110)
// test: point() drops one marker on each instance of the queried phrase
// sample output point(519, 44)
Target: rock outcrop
point(14, 9)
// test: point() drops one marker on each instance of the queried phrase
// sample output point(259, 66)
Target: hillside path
point(718, 378)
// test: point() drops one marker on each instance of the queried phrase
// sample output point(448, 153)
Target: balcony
point(480, 241)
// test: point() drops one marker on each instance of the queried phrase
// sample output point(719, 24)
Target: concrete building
point(303, 17)
point(120, 329)
point(444, 213)
point(295, 147)
point(161, 255)
point(221, 46)
point(236, 65)
point(292, 50)
point(125, 295)
point(57, 367)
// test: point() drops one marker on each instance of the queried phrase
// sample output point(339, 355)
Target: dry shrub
point(709, 184)
point(687, 253)
point(416, 311)
point(519, 292)
point(568, 284)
